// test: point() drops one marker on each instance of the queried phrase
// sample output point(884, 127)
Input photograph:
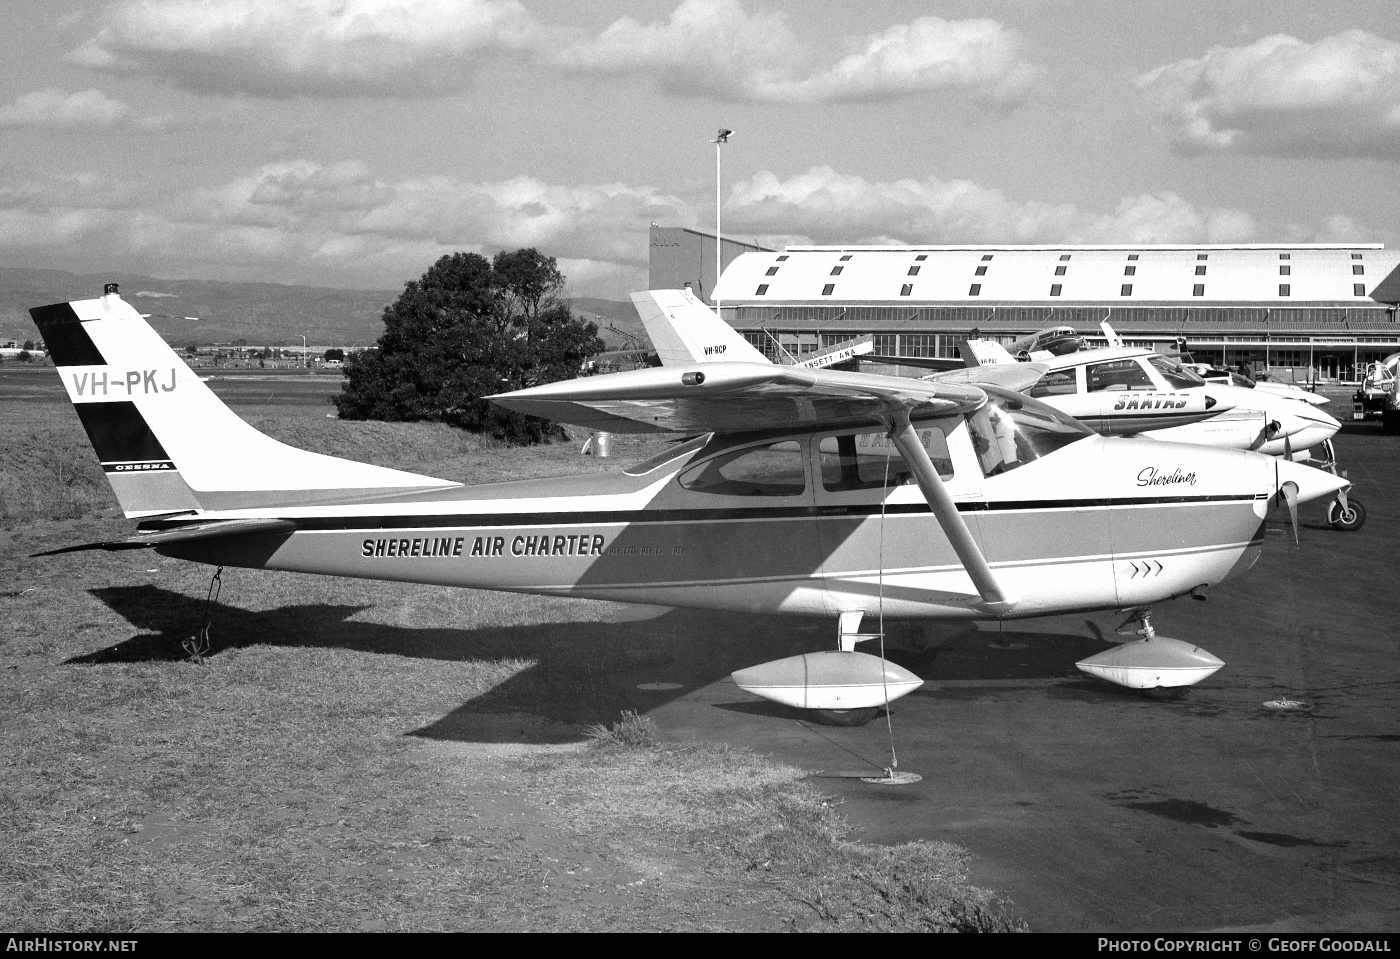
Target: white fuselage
point(1103, 522)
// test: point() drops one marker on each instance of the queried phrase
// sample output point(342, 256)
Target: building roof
point(1124, 276)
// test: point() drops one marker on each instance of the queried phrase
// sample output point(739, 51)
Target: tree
point(466, 329)
point(334, 354)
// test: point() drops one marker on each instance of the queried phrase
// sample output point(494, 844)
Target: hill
point(207, 311)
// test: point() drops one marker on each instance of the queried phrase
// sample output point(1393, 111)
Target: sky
point(350, 143)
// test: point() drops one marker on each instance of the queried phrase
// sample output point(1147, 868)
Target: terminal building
point(1304, 311)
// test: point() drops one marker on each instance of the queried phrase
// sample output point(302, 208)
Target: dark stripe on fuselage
point(661, 516)
point(119, 433)
point(64, 337)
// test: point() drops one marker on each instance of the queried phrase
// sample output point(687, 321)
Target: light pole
point(303, 351)
point(719, 141)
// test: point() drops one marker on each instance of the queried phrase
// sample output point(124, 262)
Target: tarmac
point(1265, 800)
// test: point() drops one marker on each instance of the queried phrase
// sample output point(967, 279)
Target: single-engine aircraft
point(792, 495)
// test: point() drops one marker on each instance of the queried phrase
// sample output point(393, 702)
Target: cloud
point(1168, 218)
point(87, 110)
point(339, 224)
point(824, 206)
point(423, 48)
point(291, 48)
point(305, 222)
point(715, 48)
point(1282, 96)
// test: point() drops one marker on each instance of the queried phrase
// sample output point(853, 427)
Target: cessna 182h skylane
point(790, 496)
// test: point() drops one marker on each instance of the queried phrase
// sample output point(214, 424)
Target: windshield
point(1176, 375)
point(1013, 430)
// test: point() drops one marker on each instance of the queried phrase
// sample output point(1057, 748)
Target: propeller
point(1288, 495)
point(1289, 492)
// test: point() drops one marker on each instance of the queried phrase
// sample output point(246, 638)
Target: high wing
point(732, 397)
point(1017, 377)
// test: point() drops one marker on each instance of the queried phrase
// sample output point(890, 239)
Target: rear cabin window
point(854, 461)
point(1057, 383)
point(771, 470)
point(1117, 375)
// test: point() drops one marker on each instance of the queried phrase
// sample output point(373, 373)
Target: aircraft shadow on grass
point(583, 672)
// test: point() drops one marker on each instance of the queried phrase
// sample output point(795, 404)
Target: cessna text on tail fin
point(684, 330)
point(166, 442)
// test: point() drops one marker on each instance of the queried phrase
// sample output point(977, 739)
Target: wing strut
point(994, 598)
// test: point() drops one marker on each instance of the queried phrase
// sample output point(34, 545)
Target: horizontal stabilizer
point(186, 533)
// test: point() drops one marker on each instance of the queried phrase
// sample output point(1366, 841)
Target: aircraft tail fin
point(983, 352)
point(166, 442)
point(1110, 334)
point(686, 331)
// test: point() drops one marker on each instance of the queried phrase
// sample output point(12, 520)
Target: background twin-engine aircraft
point(804, 491)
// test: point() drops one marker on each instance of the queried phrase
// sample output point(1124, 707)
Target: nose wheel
point(1345, 512)
point(1348, 516)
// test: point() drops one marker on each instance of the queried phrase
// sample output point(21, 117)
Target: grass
point(357, 756)
point(633, 731)
point(48, 469)
point(760, 821)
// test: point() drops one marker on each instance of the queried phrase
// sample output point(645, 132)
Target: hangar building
point(678, 258)
point(1303, 310)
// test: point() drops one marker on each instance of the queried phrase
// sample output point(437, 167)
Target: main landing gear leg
point(847, 635)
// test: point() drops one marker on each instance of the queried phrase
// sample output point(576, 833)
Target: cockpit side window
point(854, 461)
point(1118, 375)
point(774, 469)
